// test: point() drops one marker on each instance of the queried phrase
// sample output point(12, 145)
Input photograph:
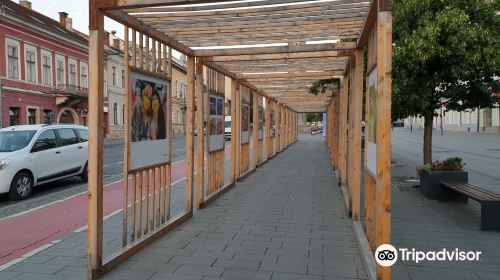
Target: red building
point(43, 68)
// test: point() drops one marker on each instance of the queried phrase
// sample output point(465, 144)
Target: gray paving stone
point(238, 264)
point(154, 267)
point(199, 270)
point(289, 276)
point(172, 276)
point(38, 268)
point(7, 275)
point(284, 267)
point(246, 274)
point(192, 261)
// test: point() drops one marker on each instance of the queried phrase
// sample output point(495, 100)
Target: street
point(54, 191)
point(479, 151)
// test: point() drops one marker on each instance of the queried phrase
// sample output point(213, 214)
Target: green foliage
point(424, 169)
point(321, 85)
point(314, 117)
point(449, 164)
point(444, 50)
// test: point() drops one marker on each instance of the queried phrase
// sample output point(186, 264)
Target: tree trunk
point(428, 118)
point(478, 118)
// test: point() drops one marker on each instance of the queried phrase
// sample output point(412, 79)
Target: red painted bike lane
point(26, 232)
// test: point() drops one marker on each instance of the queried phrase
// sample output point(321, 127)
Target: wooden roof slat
point(276, 49)
point(210, 6)
point(263, 9)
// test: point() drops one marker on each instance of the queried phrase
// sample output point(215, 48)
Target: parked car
point(34, 154)
point(227, 127)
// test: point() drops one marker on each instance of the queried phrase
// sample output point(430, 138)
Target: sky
point(78, 10)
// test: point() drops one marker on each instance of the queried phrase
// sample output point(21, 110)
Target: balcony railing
point(71, 89)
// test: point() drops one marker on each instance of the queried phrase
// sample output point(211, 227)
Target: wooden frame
point(281, 73)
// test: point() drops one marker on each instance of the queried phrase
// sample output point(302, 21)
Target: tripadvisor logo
point(387, 255)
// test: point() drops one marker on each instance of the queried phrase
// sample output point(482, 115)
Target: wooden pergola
point(273, 51)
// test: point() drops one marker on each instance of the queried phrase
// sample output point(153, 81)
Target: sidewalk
point(427, 225)
point(285, 221)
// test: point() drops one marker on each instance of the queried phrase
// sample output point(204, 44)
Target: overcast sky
point(78, 10)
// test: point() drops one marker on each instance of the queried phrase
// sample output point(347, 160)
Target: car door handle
point(80, 147)
point(58, 152)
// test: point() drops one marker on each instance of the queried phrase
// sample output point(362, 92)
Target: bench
point(490, 202)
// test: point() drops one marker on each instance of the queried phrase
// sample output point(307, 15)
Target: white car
point(227, 127)
point(31, 155)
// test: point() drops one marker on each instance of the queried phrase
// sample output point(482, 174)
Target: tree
point(445, 52)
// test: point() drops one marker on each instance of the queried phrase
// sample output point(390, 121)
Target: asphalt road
point(113, 171)
point(479, 151)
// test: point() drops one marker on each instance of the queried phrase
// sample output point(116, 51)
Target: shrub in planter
point(431, 177)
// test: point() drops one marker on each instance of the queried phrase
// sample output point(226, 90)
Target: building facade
point(179, 88)
point(43, 70)
point(114, 85)
point(488, 118)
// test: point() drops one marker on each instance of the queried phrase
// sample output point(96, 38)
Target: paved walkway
point(427, 225)
point(286, 221)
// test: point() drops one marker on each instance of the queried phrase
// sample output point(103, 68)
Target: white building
point(489, 120)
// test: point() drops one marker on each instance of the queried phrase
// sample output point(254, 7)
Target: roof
point(39, 19)
point(278, 48)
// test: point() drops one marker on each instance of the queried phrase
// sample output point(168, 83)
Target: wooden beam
point(291, 75)
point(234, 155)
point(95, 142)
point(147, 30)
point(356, 110)
point(129, 4)
point(200, 116)
point(190, 92)
point(384, 83)
point(368, 25)
point(255, 133)
point(275, 49)
point(284, 56)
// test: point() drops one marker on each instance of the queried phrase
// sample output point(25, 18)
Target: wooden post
point(96, 139)
point(267, 122)
point(343, 130)
point(126, 62)
point(384, 82)
point(200, 105)
point(189, 134)
point(234, 155)
point(255, 134)
point(355, 132)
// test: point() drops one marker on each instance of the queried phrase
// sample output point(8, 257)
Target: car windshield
point(228, 124)
point(15, 140)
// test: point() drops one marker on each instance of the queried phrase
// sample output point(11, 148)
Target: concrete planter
point(430, 185)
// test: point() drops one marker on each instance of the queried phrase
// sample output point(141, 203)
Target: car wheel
point(21, 186)
point(85, 174)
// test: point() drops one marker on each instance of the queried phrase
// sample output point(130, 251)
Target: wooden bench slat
point(472, 191)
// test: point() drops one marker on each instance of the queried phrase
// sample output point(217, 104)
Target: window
point(67, 136)
point(175, 91)
point(46, 140)
point(32, 115)
point(48, 116)
point(84, 135)
point(11, 141)
point(113, 75)
point(47, 69)
point(115, 113)
point(123, 78)
point(14, 115)
point(84, 79)
point(60, 71)
point(72, 74)
point(31, 72)
point(13, 61)
point(123, 115)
